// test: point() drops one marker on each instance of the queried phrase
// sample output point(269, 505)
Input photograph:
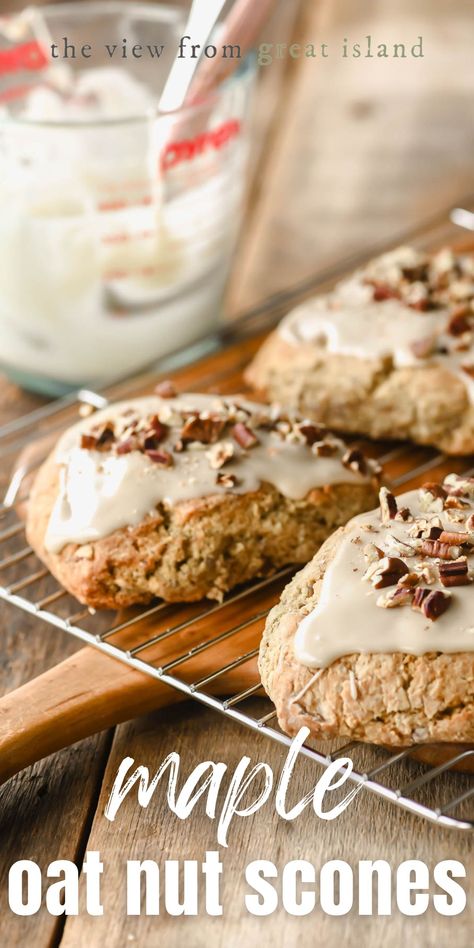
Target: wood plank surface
point(365, 147)
point(355, 154)
point(368, 830)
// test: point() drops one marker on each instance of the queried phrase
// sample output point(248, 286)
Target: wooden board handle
point(87, 693)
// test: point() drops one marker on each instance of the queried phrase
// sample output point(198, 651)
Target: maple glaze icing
point(101, 491)
point(352, 616)
point(350, 322)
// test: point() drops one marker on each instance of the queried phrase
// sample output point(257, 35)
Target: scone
point(374, 639)
point(389, 354)
point(186, 497)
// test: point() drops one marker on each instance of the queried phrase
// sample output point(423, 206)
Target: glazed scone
point(374, 639)
point(186, 497)
point(389, 354)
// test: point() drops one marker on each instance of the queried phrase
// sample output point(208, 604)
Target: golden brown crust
point(392, 699)
point(428, 404)
point(195, 549)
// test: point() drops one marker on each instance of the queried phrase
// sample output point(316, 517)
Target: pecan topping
point(448, 536)
point(388, 505)
point(129, 445)
point(99, 440)
point(386, 572)
point(420, 595)
point(432, 497)
point(455, 573)
point(88, 442)
point(219, 454)
point(404, 514)
point(382, 292)
point(432, 603)
point(160, 457)
point(409, 580)
point(459, 486)
point(244, 436)
point(396, 597)
point(323, 449)
point(202, 429)
point(455, 503)
point(373, 553)
point(165, 389)
point(312, 433)
point(459, 321)
point(442, 551)
point(226, 480)
point(355, 461)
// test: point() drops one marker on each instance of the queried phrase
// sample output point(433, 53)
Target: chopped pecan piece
point(442, 551)
point(206, 430)
point(434, 533)
point(219, 454)
point(373, 553)
point(386, 572)
point(409, 580)
point(388, 505)
point(165, 389)
point(432, 497)
point(400, 596)
point(226, 480)
point(244, 436)
point(101, 440)
point(155, 434)
point(88, 442)
point(323, 449)
point(418, 273)
point(128, 445)
point(382, 292)
point(431, 602)
point(449, 536)
point(420, 595)
point(404, 514)
point(459, 486)
point(164, 458)
point(355, 461)
point(456, 503)
point(459, 322)
point(160, 456)
point(455, 573)
point(312, 433)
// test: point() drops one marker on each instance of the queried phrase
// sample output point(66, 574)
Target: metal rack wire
point(180, 645)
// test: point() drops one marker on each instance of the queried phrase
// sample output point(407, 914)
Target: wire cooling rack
point(182, 646)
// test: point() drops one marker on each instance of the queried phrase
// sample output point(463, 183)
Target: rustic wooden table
point(354, 152)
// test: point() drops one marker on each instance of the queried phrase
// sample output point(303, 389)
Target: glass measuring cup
point(116, 230)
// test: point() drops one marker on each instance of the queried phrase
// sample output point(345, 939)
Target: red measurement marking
point(119, 205)
point(125, 238)
point(18, 92)
point(187, 149)
point(126, 274)
point(28, 56)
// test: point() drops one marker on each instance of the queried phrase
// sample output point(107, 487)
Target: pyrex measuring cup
point(117, 225)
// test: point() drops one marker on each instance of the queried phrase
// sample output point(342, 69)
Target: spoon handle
point(202, 19)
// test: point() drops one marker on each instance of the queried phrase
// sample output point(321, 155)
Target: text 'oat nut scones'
point(186, 497)
point(389, 353)
point(374, 639)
